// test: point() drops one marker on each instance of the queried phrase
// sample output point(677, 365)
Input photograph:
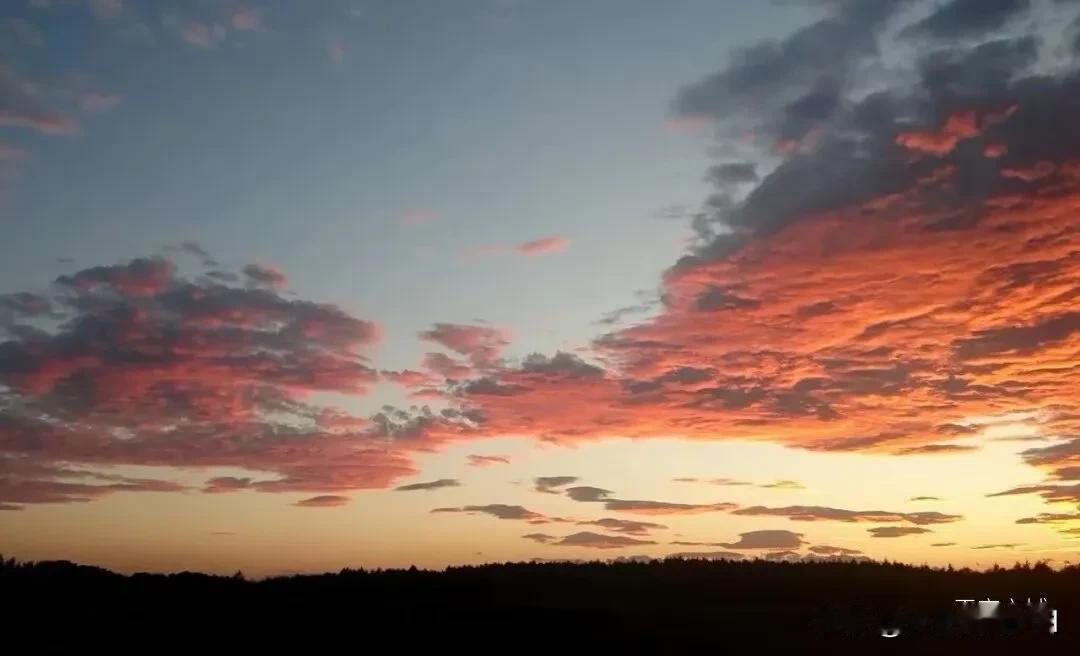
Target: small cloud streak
point(896, 531)
point(486, 461)
point(335, 51)
point(98, 101)
point(532, 248)
point(418, 217)
point(784, 485)
point(499, 511)
point(544, 246)
point(247, 18)
point(323, 501)
point(199, 34)
point(429, 486)
point(822, 513)
point(590, 540)
point(624, 526)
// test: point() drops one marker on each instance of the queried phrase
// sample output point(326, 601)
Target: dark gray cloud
point(429, 485)
point(969, 18)
point(986, 69)
point(16, 491)
point(550, 484)
point(261, 274)
point(822, 513)
point(498, 510)
point(716, 298)
point(592, 540)
point(627, 526)
point(588, 493)
point(827, 550)
point(770, 539)
point(778, 72)
point(1019, 339)
point(542, 538)
point(707, 555)
point(732, 173)
point(814, 84)
point(561, 365)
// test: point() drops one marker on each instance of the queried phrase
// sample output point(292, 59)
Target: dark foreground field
point(671, 606)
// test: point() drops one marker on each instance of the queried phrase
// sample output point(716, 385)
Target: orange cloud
point(958, 127)
point(145, 367)
point(866, 328)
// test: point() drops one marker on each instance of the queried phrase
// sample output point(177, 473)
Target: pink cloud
point(409, 378)
point(10, 152)
point(105, 9)
point(532, 248)
point(97, 101)
point(417, 217)
point(1031, 173)
point(544, 246)
point(335, 50)
point(446, 366)
point(684, 124)
point(139, 277)
point(155, 369)
point(202, 35)
point(246, 17)
point(481, 344)
point(43, 122)
point(485, 461)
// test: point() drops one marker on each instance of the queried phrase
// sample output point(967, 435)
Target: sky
point(295, 286)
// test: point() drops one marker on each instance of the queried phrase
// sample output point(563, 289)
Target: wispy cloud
point(532, 248)
point(429, 485)
point(335, 50)
point(323, 501)
point(475, 460)
point(418, 216)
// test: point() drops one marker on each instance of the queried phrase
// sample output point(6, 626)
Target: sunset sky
point(291, 286)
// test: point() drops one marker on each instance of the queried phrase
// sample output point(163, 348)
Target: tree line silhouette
point(666, 606)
